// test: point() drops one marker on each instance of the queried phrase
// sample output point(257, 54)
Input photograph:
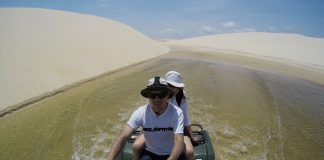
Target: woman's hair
point(179, 96)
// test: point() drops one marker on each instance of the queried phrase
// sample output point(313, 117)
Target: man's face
point(158, 99)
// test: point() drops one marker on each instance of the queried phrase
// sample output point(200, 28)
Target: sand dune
point(43, 50)
point(292, 47)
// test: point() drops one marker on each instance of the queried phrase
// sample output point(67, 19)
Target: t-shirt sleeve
point(135, 120)
point(178, 124)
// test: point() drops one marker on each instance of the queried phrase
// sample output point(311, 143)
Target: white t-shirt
point(184, 107)
point(159, 130)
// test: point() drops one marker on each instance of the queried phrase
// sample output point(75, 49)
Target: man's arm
point(116, 147)
point(178, 147)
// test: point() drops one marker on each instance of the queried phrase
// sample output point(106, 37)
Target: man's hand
point(178, 147)
point(116, 147)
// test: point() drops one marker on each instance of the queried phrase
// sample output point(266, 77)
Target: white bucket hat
point(174, 78)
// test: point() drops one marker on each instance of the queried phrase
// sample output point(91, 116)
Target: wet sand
point(253, 109)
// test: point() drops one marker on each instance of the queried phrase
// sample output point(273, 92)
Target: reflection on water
point(249, 113)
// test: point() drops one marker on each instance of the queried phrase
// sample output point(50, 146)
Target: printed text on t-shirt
point(158, 129)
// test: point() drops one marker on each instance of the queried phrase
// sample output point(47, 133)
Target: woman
point(175, 83)
point(179, 99)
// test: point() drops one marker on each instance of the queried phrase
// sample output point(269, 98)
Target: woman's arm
point(187, 129)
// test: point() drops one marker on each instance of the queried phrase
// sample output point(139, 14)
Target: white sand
point(292, 47)
point(43, 50)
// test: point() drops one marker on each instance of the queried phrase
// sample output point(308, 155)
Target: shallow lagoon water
point(249, 112)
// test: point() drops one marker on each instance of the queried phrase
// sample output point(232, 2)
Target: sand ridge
point(43, 50)
point(292, 47)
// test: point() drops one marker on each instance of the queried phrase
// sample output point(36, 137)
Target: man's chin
point(157, 105)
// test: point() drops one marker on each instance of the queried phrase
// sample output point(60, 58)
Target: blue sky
point(191, 18)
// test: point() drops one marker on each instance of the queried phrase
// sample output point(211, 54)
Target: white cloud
point(289, 28)
point(167, 31)
point(170, 31)
point(209, 30)
point(286, 28)
point(248, 30)
point(244, 30)
point(228, 24)
point(272, 29)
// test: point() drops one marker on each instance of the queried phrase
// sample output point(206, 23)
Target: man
point(162, 124)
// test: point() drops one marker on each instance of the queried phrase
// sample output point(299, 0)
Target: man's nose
point(156, 98)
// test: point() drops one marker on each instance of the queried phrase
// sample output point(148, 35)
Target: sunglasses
point(159, 95)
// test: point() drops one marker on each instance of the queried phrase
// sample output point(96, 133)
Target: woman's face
point(174, 89)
